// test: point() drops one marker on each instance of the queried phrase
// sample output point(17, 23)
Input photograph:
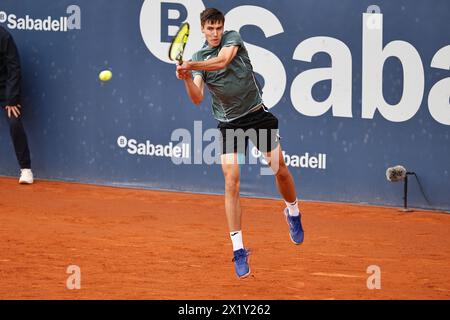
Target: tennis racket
point(178, 44)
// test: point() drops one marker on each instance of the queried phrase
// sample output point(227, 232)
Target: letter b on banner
point(172, 16)
point(159, 21)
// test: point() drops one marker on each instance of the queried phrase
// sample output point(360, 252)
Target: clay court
point(141, 244)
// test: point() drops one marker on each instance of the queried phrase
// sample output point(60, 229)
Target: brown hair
point(212, 15)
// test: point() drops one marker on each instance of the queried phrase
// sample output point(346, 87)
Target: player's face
point(213, 33)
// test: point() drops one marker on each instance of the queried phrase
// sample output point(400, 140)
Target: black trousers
point(19, 139)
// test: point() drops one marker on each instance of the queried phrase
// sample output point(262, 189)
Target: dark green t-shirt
point(234, 89)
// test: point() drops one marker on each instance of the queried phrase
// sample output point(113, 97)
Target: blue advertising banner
point(357, 86)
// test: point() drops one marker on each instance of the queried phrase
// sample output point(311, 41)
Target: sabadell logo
point(60, 24)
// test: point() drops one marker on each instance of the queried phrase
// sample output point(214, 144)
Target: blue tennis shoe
point(241, 263)
point(295, 227)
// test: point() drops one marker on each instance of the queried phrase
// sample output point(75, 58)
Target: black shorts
point(260, 126)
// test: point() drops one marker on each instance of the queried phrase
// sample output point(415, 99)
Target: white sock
point(293, 208)
point(236, 239)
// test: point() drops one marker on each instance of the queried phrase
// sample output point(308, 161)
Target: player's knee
point(283, 172)
point(232, 182)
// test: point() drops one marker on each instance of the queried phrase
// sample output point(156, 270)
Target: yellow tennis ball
point(105, 75)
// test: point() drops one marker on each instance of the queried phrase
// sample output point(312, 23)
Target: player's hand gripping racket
point(178, 44)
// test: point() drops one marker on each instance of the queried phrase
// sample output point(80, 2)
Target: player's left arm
point(225, 56)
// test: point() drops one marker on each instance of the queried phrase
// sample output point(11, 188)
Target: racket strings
point(179, 42)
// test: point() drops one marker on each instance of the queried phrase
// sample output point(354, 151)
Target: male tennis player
point(224, 65)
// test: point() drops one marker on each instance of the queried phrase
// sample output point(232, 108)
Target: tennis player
point(224, 65)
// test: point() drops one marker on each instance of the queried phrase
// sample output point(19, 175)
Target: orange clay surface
point(140, 244)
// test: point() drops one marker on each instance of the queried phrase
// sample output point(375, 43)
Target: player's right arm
point(193, 82)
point(194, 87)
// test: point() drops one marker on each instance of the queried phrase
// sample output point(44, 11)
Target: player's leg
point(232, 146)
point(20, 143)
point(284, 180)
point(268, 143)
point(230, 168)
point(286, 186)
